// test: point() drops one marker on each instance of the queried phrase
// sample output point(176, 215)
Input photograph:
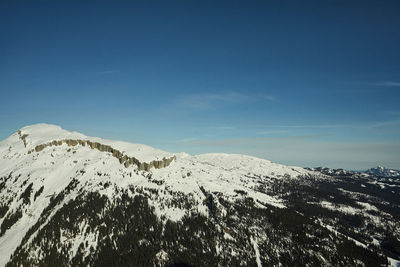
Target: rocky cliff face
point(123, 159)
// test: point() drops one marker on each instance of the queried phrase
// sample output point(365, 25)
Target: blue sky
point(305, 83)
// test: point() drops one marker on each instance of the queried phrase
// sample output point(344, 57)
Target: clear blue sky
point(305, 83)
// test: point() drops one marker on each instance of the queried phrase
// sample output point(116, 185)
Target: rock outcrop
point(123, 159)
point(22, 137)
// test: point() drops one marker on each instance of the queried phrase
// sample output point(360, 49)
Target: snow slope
point(53, 168)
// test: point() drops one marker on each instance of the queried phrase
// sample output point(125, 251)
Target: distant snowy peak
point(378, 171)
point(384, 172)
point(332, 172)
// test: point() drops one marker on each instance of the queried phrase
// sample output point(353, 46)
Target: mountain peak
point(383, 172)
point(41, 127)
point(30, 137)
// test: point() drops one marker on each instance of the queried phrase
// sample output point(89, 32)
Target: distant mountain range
point(383, 172)
point(379, 171)
point(67, 199)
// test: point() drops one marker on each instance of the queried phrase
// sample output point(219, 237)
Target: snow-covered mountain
point(384, 172)
point(70, 199)
point(329, 171)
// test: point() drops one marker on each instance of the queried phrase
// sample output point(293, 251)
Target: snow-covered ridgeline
point(27, 138)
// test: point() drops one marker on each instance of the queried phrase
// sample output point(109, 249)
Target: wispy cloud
point(384, 124)
point(387, 84)
point(209, 100)
point(214, 100)
point(268, 97)
point(186, 140)
point(371, 87)
point(224, 128)
point(364, 125)
point(319, 126)
point(272, 132)
point(105, 72)
point(378, 83)
point(395, 113)
point(251, 140)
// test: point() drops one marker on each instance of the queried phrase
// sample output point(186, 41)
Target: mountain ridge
point(375, 171)
point(71, 204)
point(384, 172)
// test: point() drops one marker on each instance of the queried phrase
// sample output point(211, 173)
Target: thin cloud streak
point(371, 125)
point(388, 84)
point(186, 140)
point(392, 113)
point(224, 128)
point(385, 124)
point(378, 83)
point(238, 141)
point(268, 97)
point(272, 132)
point(322, 126)
point(213, 100)
point(105, 72)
